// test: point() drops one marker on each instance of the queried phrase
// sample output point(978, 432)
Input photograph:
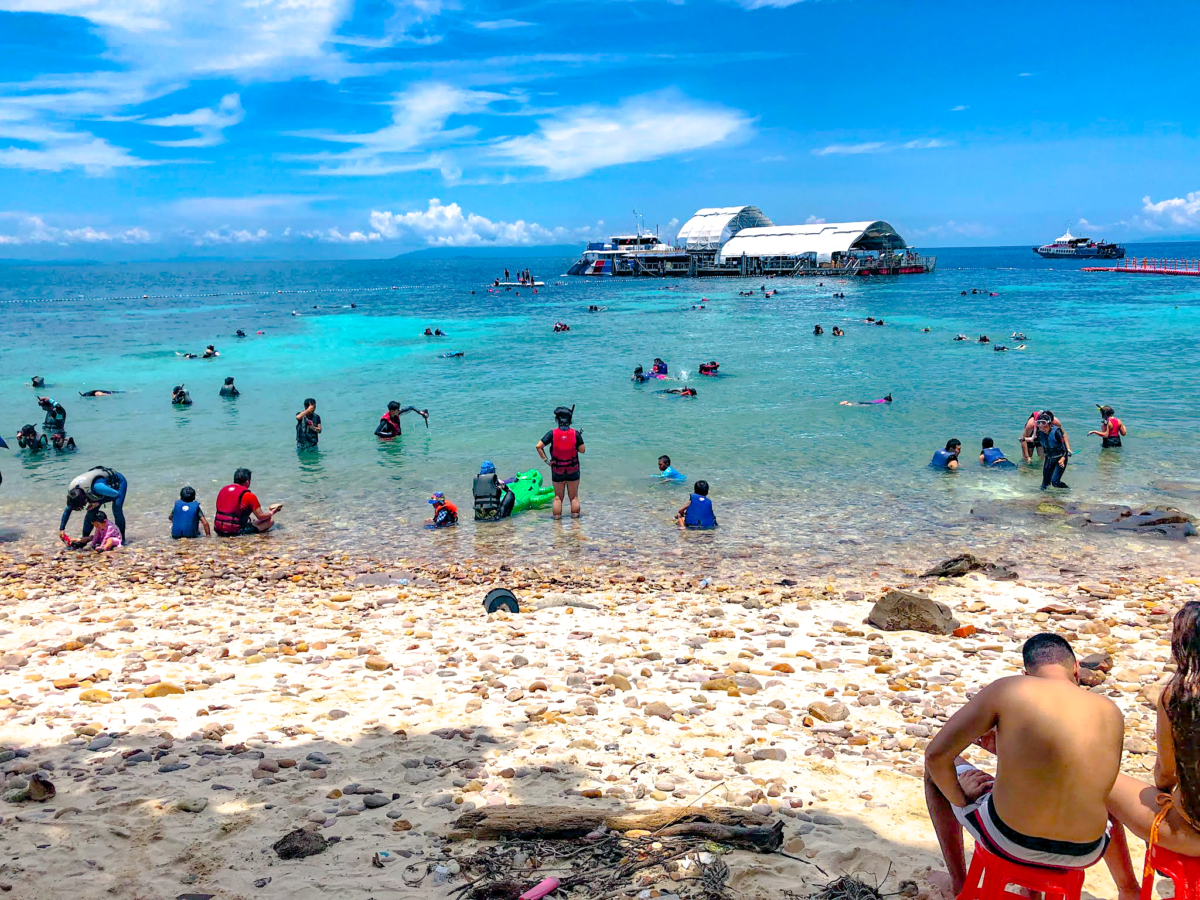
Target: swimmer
point(437, 332)
point(450, 354)
point(428, 332)
point(984, 339)
point(667, 472)
point(817, 329)
point(37, 381)
point(240, 333)
point(948, 457)
point(389, 422)
point(999, 348)
point(188, 355)
point(682, 392)
point(837, 332)
point(639, 377)
point(887, 399)
point(1112, 430)
point(210, 352)
point(710, 368)
point(659, 369)
point(99, 393)
point(29, 439)
point(62, 443)
point(992, 457)
point(879, 321)
point(1019, 336)
point(926, 330)
point(960, 337)
point(180, 396)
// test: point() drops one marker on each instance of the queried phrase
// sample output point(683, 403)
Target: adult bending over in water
point(239, 510)
point(887, 399)
point(1167, 812)
point(1058, 751)
point(389, 422)
point(93, 489)
point(565, 444)
point(1112, 430)
point(1029, 441)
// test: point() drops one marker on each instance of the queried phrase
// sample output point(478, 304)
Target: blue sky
point(364, 128)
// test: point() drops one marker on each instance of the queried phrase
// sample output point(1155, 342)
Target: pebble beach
point(191, 709)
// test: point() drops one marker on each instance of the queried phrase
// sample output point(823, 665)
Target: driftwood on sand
point(734, 827)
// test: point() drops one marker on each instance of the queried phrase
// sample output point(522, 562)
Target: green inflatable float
point(493, 499)
point(529, 491)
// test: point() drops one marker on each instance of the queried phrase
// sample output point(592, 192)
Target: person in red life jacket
point(565, 443)
point(698, 511)
point(389, 422)
point(239, 511)
point(445, 513)
point(1112, 431)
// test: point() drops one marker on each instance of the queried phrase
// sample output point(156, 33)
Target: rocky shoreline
point(190, 710)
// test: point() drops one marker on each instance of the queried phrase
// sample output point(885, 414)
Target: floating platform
point(517, 284)
point(1189, 267)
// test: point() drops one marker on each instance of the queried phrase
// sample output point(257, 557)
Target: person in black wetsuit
point(29, 439)
point(228, 390)
point(180, 396)
point(389, 422)
point(56, 416)
point(494, 500)
point(1055, 450)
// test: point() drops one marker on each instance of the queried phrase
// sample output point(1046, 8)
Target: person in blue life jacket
point(187, 517)
point(991, 457)
point(668, 472)
point(947, 458)
point(659, 369)
point(698, 511)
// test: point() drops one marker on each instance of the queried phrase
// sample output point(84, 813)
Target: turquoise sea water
point(794, 475)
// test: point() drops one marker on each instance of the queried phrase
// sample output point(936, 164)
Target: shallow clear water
point(795, 476)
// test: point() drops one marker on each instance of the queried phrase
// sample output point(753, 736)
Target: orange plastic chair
point(989, 877)
point(1183, 870)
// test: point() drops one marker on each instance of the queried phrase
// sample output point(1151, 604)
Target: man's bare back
point(1058, 750)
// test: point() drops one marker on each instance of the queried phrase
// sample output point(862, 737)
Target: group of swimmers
point(1043, 435)
point(54, 427)
point(561, 326)
point(434, 332)
point(210, 352)
point(837, 332)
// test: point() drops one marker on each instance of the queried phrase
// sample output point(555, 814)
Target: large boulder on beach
point(905, 611)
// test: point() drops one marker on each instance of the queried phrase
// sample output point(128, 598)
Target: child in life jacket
point(698, 511)
point(187, 518)
point(445, 513)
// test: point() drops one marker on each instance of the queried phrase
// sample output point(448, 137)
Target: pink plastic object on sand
point(541, 890)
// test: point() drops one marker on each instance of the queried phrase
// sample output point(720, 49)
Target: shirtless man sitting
point(1058, 750)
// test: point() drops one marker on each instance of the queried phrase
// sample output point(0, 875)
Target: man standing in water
point(1058, 751)
point(308, 425)
point(565, 443)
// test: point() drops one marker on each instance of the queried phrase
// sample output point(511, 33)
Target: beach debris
point(905, 611)
point(300, 843)
point(538, 891)
point(967, 562)
point(501, 598)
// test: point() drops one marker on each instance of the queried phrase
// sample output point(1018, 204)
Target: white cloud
point(1183, 212)
point(34, 230)
point(1024, 74)
point(209, 123)
point(814, 220)
point(226, 208)
point(878, 147)
point(674, 223)
point(850, 149)
point(502, 24)
point(448, 226)
point(419, 119)
point(959, 108)
point(767, 4)
point(640, 129)
point(92, 154)
point(226, 235)
point(335, 236)
point(927, 144)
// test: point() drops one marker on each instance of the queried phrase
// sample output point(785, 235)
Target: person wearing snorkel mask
point(565, 444)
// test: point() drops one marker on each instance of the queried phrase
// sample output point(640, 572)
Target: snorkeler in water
point(682, 392)
point(887, 399)
point(99, 393)
point(710, 368)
